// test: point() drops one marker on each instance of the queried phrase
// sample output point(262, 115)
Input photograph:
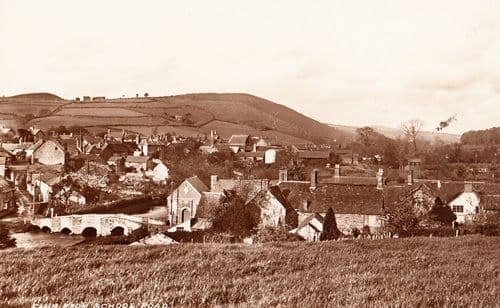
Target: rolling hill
point(395, 133)
point(189, 115)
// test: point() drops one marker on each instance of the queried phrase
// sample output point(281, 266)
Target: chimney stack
point(380, 179)
point(468, 187)
point(439, 184)
point(283, 175)
point(314, 178)
point(213, 182)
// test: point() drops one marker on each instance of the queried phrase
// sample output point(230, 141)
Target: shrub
point(484, 223)
point(355, 232)
point(5, 240)
point(279, 234)
point(366, 231)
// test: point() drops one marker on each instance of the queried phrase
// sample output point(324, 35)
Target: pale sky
point(343, 62)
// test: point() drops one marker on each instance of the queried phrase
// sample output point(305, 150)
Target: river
point(41, 239)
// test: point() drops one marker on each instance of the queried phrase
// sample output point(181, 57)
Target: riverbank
point(459, 271)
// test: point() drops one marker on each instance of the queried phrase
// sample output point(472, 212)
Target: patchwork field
point(100, 112)
point(412, 272)
point(198, 111)
point(89, 121)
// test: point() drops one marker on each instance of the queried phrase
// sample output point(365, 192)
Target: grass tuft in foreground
point(404, 272)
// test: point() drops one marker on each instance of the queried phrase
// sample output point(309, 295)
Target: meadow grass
point(460, 271)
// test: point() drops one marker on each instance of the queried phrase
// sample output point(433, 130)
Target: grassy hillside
point(228, 113)
point(423, 272)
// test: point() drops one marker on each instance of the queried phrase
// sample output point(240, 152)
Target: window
point(458, 208)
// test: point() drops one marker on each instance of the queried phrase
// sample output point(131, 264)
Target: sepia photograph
point(230, 153)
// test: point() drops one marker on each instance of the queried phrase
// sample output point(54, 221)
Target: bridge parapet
point(103, 224)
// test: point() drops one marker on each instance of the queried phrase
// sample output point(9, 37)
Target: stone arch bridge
point(96, 224)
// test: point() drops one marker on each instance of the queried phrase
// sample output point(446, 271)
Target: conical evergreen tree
point(330, 230)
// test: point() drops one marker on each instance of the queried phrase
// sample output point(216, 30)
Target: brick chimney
point(213, 182)
point(314, 178)
point(380, 179)
point(468, 187)
point(283, 175)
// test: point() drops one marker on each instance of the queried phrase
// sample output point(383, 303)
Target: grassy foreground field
point(403, 272)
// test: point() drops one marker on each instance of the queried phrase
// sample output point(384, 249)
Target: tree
point(403, 219)
point(365, 135)
point(236, 217)
point(330, 230)
point(5, 240)
point(411, 129)
point(146, 94)
point(441, 213)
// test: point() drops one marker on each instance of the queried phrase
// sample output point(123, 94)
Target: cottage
point(139, 163)
point(239, 143)
point(160, 173)
point(355, 204)
point(116, 149)
point(50, 152)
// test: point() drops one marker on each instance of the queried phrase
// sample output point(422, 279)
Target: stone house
point(355, 203)
point(50, 152)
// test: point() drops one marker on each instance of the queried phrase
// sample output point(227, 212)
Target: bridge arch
point(66, 230)
point(89, 232)
point(45, 229)
point(118, 230)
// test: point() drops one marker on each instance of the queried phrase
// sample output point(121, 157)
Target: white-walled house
point(160, 173)
point(466, 204)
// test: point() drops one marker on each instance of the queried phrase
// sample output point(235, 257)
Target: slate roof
point(240, 140)
point(137, 159)
point(310, 218)
point(197, 184)
point(344, 199)
point(313, 154)
point(50, 178)
point(114, 158)
point(258, 154)
point(35, 145)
